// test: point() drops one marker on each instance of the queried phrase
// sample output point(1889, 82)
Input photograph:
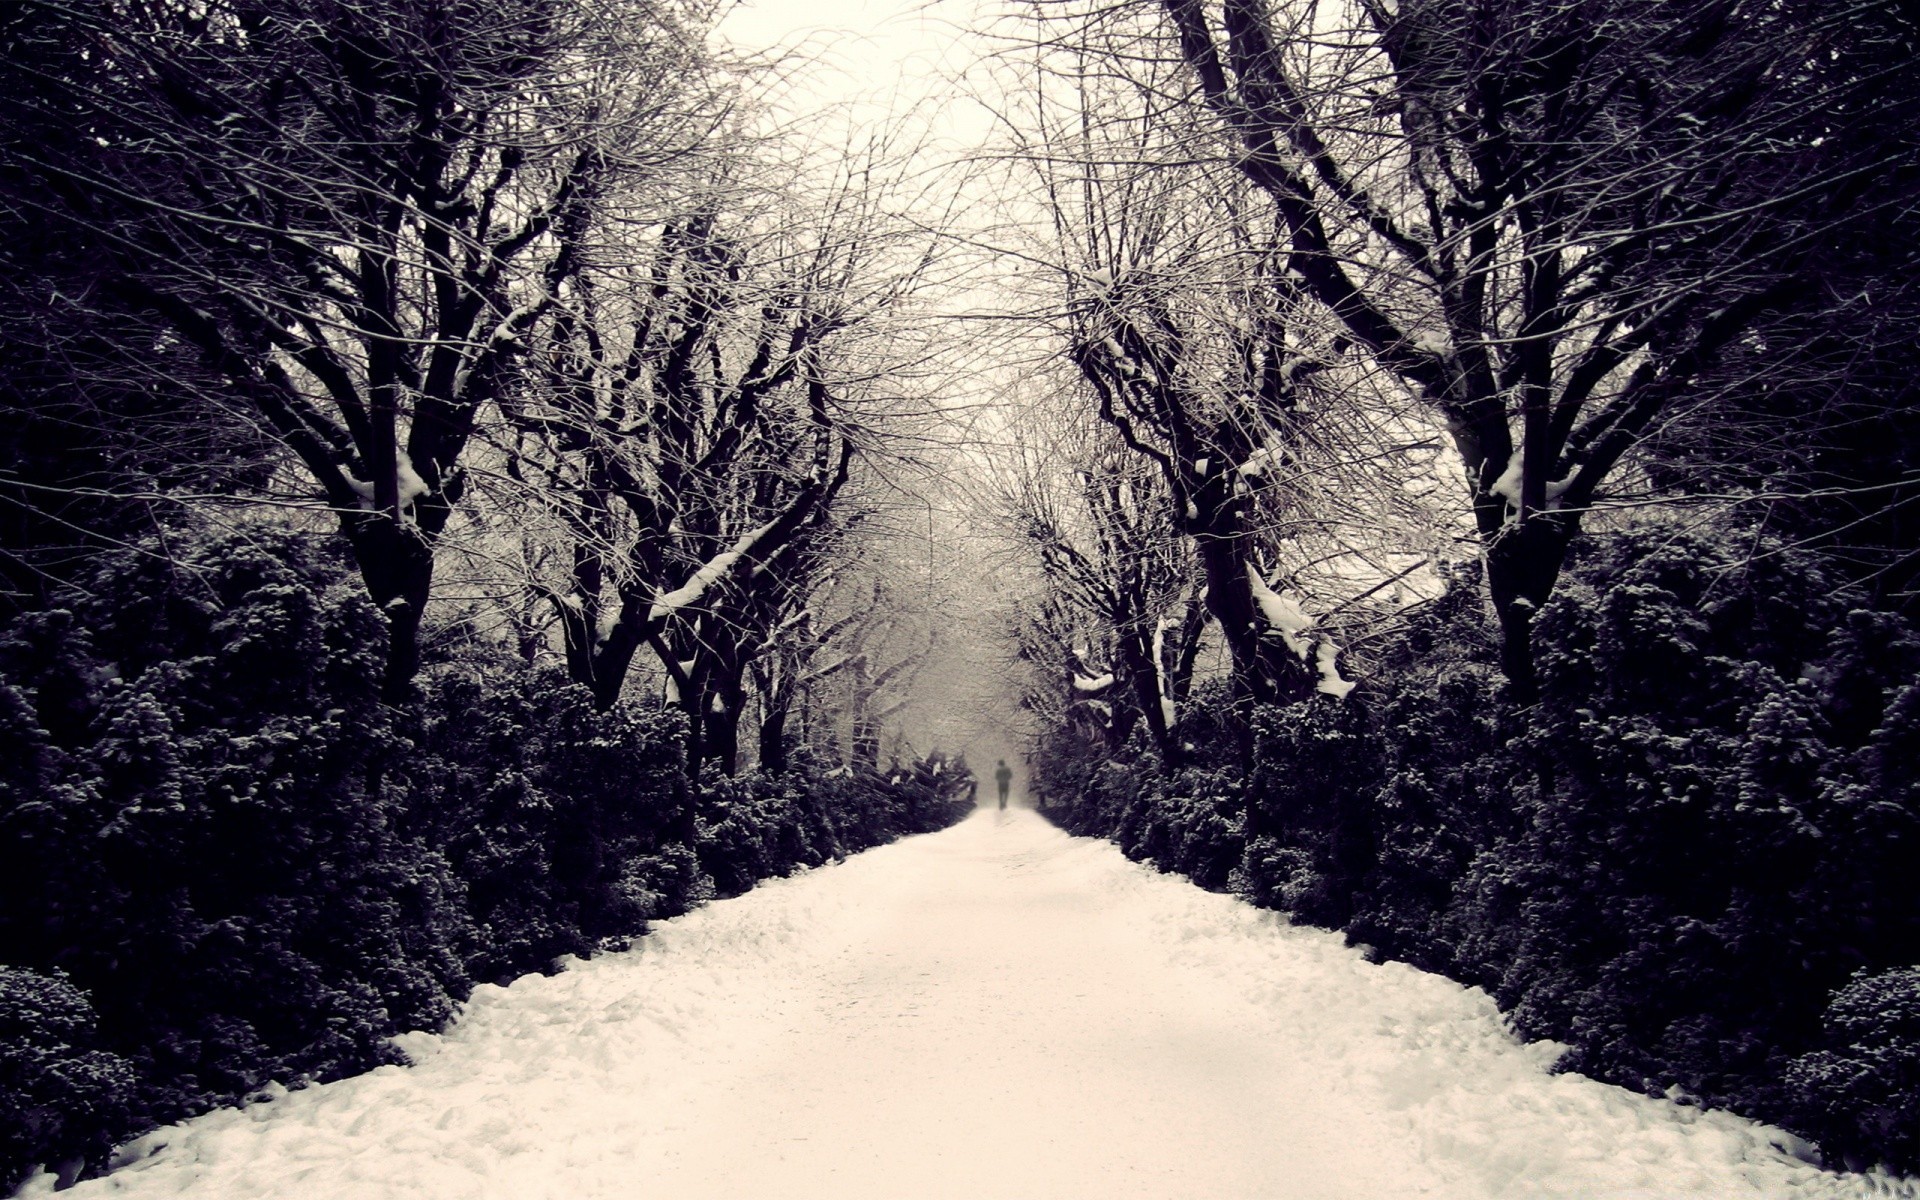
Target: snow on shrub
point(1701, 829)
point(1860, 1095)
point(62, 1098)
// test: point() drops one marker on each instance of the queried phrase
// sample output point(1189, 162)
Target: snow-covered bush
point(1705, 857)
point(868, 807)
point(757, 825)
point(935, 792)
point(1316, 770)
point(555, 816)
point(62, 1098)
point(1446, 790)
point(1194, 822)
point(1273, 874)
point(1290, 830)
point(1860, 1093)
point(1081, 785)
point(571, 828)
point(194, 825)
point(1191, 819)
point(1702, 828)
point(761, 824)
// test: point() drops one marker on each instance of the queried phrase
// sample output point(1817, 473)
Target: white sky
point(856, 49)
point(849, 68)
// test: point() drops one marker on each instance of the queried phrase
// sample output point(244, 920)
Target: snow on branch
point(1283, 612)
point(710, 573)
point(1259, 461)
point(1160, 684)
point(1508, 486)
point(1327, 660)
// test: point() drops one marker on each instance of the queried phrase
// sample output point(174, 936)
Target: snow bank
point(996, 1010)
point(1438, 1063)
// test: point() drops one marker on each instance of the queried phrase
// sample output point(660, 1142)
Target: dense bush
point(757, 825)
point(869, 807)
point(1858, 1094)
point(1703, 860)
point(224, 862)
point(1439, 733)
point(566, 826)
point(194, 828)
point(1309, 806)
point(1672, 861)
point(61, 1097)
point(1190, 819)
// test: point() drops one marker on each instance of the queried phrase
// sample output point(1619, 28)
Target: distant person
point(1003, 775)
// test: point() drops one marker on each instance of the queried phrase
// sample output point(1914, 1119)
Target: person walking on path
point(1003, 775)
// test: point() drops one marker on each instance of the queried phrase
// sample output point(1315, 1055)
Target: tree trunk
point(396, 564)
point(1136, 651)
point(1523, 563)
point(1265, 671)
point(863, 741)
point(775, 749)
point(775, 684)
point(722, 719)
point(609, 667)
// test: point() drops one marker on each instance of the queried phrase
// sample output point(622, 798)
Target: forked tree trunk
point(396, 564)
point(1265, 671)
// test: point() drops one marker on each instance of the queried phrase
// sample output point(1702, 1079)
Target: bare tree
point(1545, 220)
point(353, 213)
point(691, 411)
point(1112, 553)
point(1188, 342)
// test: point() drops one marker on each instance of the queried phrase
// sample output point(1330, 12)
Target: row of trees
point(517, 282)
point(1606, 252)
point(450, 471)
point(1370, 322)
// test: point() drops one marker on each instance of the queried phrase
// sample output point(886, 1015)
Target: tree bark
point(396, 564)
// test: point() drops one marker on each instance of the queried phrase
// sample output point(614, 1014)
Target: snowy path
point(994, 1011)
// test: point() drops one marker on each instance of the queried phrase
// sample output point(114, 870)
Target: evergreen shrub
point(62, 1098)
point(1859, 1093)
point(567, 826)
point(194, 831)
point(1710, 847)
point(1189, 819)
point(1689, 859)
point(224, 862)
point(757, 825)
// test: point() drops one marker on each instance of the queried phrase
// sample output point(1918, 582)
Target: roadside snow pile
point(998, 1009)
point(1436, 1059)
point(534, 1084)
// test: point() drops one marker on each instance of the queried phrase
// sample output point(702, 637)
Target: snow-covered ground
point(998, 1010)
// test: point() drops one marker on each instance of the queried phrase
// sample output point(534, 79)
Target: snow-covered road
point(998, 1010)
